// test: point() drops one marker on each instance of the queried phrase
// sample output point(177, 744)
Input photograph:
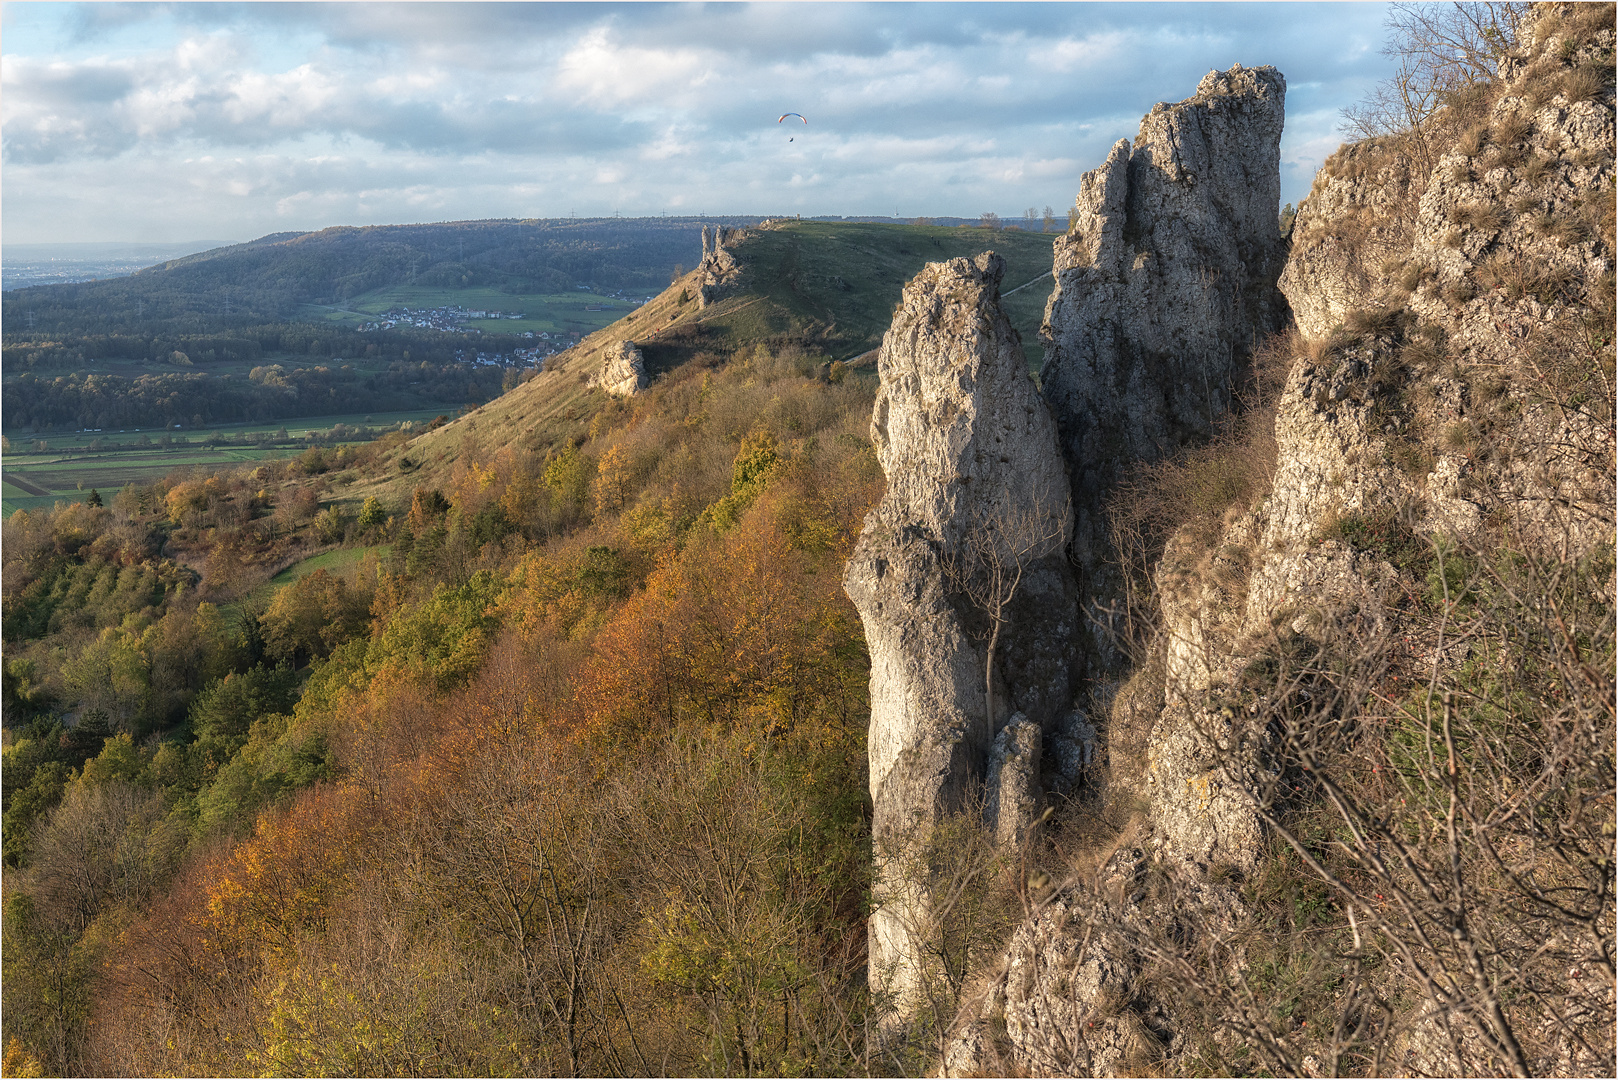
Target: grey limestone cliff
point(623, 371)
point(719, 268)
point(1431, 391)
point(1164, 285)
point(959, 576)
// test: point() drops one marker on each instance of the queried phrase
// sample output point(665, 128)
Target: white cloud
point(165, 120)
point(602, 73)
point(1071, 54)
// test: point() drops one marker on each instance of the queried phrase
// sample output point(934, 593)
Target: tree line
point(268, 279)
point(268, 392)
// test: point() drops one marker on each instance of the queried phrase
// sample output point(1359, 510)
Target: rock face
point(718, 267)
point(1164, 284)
point(1355, 217)
point(1490, 250)
point(1436, 301)
point(977, 495)
point(1012, 794)
point(623, 373)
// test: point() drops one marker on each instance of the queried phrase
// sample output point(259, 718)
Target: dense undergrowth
point(572, 780)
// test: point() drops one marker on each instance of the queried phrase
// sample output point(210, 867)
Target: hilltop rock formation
point(963, 554)
point(623, 372)
point(719, 268)
point(1164, 285)
point(1433, 395)
point(1490, 254)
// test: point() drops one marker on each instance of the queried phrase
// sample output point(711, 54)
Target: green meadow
point(43, 469)
point(547, 312)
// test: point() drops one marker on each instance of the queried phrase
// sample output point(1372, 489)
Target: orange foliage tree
point(742, 628)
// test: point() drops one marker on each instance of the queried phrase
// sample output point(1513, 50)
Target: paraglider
point(800, 116)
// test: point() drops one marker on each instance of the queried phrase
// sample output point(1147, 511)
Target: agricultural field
point(578, 312)
point(40, 470)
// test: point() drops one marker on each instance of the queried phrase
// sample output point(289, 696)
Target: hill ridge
point(800, 285)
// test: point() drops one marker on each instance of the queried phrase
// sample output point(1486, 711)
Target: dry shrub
point(1372, 320)
point(1511, 127)
point(1509, 157)
point(1484, 217)
point(1535, 168)
point(1584, 84)
point(1414, 275)
point(1194, 489)
point(1460, 292)
point(1472, 143)
point(1518, 276)
point(1420, 352)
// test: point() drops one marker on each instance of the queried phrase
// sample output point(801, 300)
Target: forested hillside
point(564, 773)
point(570, 781)
point(269, 278)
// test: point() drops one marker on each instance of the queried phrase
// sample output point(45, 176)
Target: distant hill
point(269, 279)
point(826, 288)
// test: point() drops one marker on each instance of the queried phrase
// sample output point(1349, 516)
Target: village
point(448, 319)
point(452, 319)
point(531, 357)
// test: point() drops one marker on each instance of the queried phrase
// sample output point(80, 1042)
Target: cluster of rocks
point(1174, 270)
point(623, 371)
point(719, 269)
point(964, 575)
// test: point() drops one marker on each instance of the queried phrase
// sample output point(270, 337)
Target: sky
point(171, 122)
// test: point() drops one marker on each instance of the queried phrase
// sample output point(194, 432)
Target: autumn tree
point(316, 613)
point(516, 851)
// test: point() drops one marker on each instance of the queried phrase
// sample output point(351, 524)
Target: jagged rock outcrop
point(623, 372)
point(977, 497)
point(1500, 240)
point(719, 268)
point(1164, 285)
point(1012, 795)
point(1430, 402)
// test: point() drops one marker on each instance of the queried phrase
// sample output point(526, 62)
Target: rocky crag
point(1446, 383)
point(1442, 324)
point(1164, 285)
point(719, 269)
point(1161, 289)
point(961, 582)
point(623, 371)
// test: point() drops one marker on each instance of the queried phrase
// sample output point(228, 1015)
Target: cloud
point(304, 115)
